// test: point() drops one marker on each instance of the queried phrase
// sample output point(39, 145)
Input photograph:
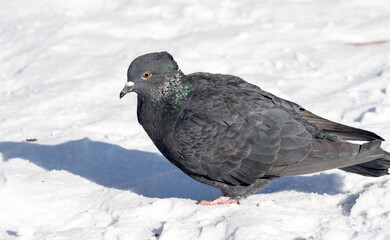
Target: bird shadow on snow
point(145, 173)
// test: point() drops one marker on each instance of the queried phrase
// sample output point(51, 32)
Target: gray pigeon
point(230, 134)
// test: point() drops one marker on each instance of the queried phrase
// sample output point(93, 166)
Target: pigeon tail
point(343, 155)
point(376, 168)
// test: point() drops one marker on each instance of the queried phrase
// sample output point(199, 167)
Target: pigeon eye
point(146, 75)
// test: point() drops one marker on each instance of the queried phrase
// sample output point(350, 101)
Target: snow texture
point(94, 174)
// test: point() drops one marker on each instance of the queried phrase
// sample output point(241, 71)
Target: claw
point(219, 200)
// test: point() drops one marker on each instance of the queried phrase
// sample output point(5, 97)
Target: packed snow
point(93, 173)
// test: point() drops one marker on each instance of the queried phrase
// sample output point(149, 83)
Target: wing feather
point(234, 139)
point(340, 130)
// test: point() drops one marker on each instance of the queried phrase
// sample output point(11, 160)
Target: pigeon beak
point(128, 87)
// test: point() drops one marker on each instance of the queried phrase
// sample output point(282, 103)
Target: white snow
point(94, 173)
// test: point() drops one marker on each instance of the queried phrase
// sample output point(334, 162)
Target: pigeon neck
point(159, 113)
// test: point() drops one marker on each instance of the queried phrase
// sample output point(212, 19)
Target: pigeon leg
point(220, 200)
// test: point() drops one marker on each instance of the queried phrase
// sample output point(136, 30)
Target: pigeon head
point(148, 71)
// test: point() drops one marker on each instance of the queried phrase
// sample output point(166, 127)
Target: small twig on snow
point(369, 43)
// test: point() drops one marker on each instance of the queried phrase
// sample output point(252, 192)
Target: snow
point(94, 173)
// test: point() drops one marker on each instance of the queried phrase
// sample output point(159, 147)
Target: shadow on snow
point(145, 173)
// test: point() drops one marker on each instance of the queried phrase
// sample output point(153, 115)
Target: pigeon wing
point(235, 137)
point(340, 130)
point(331, 128)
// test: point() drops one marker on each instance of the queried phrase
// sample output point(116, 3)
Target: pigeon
point(225, 132)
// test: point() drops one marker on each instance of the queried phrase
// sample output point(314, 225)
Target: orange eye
point(146, 75)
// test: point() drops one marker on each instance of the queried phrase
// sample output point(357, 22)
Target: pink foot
point(219, 200)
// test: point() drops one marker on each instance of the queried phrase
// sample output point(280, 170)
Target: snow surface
point(94, 173)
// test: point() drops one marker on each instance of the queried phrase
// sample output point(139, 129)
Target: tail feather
point(367, 159)
point(376, 168)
